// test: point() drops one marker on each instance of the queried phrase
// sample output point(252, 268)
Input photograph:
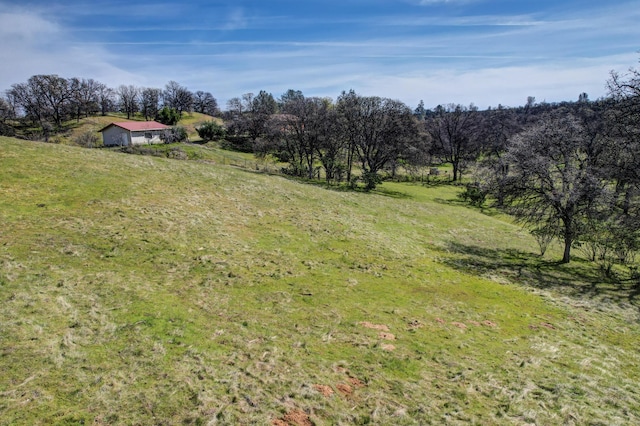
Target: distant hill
point(97, 122)
point(144, 290)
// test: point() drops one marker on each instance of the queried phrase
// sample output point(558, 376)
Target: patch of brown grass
point(367, 324)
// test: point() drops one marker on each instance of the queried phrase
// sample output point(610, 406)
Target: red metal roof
point(138, 126)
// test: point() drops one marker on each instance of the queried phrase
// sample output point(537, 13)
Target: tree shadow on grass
point(336, 187)
point(485, 209)
point(389, 193)
point(579, 279)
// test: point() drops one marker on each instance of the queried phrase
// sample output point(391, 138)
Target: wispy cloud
point(33, 44)
point(16, 26)
point(486, 58)
point(236, 20)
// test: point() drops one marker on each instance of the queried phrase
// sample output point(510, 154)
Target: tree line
point(568, 171)
point(48, 101)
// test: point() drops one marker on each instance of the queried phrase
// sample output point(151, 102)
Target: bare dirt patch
point(489, 323)
point(460, 325)
point(542, 324)
point(386, 336)
point(374, 326)
point(356, 383)
point(414, 325)
point(293, 418)
point(388, 347)
point(344, 389)
point(324, 390)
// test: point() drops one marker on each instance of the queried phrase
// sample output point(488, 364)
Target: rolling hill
point(144, 290)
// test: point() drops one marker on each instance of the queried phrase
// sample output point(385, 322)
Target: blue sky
point(488, 52)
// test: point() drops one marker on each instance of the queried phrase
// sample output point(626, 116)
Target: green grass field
point(142, 290)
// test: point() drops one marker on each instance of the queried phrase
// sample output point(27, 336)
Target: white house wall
point(138, 138)
point(115, 136)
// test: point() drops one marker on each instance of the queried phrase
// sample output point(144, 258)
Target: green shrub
point(210, 131)
point(473, 195)
point(237, 143)
point(88, 139)
point(168, 116)
point(371, 180)
point(174, 135)
point(177, 154)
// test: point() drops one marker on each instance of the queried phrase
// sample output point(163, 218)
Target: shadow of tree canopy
point(385, 192)
point(579, 279)
point(337, 187)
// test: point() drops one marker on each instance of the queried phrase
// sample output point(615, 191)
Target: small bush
point(168, 116)
point(88, 140)
point(141, 150)
point(237, 143)
point(210, 131)
point(174, 135)
point(353, 182)
point(7, 130)
point(473, 195)
point(294, 170)
point(371, 180)
point(177, 154)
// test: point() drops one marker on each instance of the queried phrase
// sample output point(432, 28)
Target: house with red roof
point(132, 133)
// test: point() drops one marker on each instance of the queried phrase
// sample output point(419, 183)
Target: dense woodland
point(568, 171)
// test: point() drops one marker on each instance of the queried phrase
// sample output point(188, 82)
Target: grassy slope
point(93, 124)
point(142, 290)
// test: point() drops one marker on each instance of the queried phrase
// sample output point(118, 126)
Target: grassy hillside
point(94, 123)
point(142, 290)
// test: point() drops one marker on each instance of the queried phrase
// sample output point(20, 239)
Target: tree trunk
point(568, 234)
point(350, 155)
point(455, 171)
point(566, 257)
point(568, 240)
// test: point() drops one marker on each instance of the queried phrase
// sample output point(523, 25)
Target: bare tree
point(381, 130)
point(234, 117)
point(205, 103)
point(177, 97)
point(258, 112)
point(235, 106)
point(554, 182)
point(348, 125)
point(7, 111)
point(497, 127)
point(84, 96)
point(150, 102)
point(43, 98)
point(301, 116)
point(128, 97)
point(454, 130)
point(623, 125)
point(106, 98)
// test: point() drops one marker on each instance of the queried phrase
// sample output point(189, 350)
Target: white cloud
point(18, 27)
point(519, 56)
point(34, 45)
point(508, 86)
point(236, 20)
